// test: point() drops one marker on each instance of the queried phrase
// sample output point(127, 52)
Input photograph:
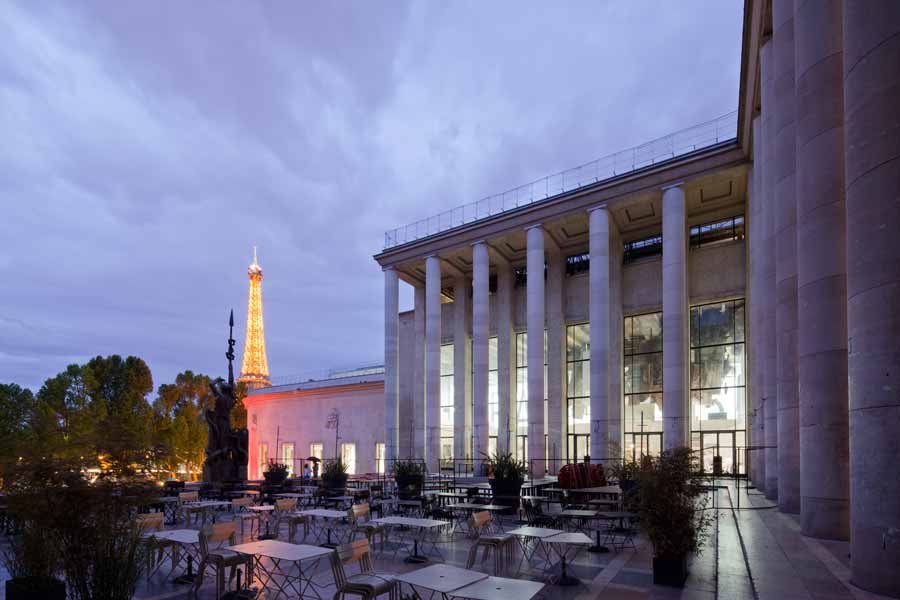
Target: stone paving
point(753, 553)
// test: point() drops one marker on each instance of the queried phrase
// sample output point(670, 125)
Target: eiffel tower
point(255, 367)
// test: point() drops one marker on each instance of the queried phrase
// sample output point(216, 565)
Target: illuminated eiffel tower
point(255, 367)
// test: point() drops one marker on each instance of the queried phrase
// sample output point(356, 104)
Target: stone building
point(734, 287)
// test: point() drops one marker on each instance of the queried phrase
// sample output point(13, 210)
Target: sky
point(148, 146)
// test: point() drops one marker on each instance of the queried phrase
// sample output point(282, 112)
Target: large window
point(718, 409)
point(348, 457)
point(263, 457)
point(379, 457)
point(643, 248)
point(522, 395)
point(447, 401)
point(643, 385)
point(578, 390)
point(315, 449)
point(717, 232)
point(493, 395)
point(287, 456)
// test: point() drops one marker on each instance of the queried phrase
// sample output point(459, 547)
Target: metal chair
point(367, 584)
point(283, 507)
point(220, 557)
point(153, 548)
point(239, 508)
point(502, 545)
point(359, 516)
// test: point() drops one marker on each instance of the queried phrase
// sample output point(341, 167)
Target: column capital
point(677, 184)
point(535, 226)
point(479, 243)
point(598, 207)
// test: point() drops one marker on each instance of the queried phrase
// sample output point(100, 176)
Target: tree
point(16, 409)
point(182, 427)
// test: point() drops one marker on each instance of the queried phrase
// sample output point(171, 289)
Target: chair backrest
point(359, 512)
point(347, 554)
point(216, 533)
point(241, 503)
point(188, 496)
point(285, 504)
point(151, 521)
point(478, 521)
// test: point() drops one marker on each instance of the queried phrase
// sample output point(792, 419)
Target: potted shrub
point(334, 476)
point(509, 474)
point(31, 560)
point(275, 473)
point(410, 478)
point(670, 504)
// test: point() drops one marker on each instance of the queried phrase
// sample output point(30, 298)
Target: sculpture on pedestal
point(226, 448)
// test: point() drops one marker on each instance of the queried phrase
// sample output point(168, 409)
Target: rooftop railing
point(322, 375)
point(705, 135)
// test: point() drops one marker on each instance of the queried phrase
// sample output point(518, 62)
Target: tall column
point(481, 266)
point(758, 245)
point(752, 292)
point(506, 360)
point(770, 350)
point(786, 257)
point(674, 318)
point(598, 313)
point(418, 395)
point(822, 271)
point(535, 326)
point(433, 363)
point(616, 341)
point(462, 369)
point(556, 359)
point(872, 168)
point(391, 364)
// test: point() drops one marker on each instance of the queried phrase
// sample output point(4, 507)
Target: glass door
point(579, 446)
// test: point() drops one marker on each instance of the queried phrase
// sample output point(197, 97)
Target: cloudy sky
point(147, 146)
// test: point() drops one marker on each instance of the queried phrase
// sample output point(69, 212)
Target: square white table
point(278, 552)
point(440, 578)
point(561, 544)
point(500, 588)
point(187, 539)
point(534, 536)
point(328, 516)
point(422, 526)
point(266, 509)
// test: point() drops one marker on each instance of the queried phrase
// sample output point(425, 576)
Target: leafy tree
point(16, 409)
point(182, 427)
point(64, 419)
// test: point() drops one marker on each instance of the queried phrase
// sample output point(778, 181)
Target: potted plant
point(275, 473)
point(509, 474)
point(410, 478)
point(31, 560)
point(670, 505)
point(334, 476)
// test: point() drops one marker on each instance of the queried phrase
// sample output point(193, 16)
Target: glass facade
point(522, 394)
point(578, 390)
point(642, 385)
point(718, 409)
point(447, 401)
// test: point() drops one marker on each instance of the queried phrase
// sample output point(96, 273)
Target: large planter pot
point(507, 492)
point(670, 571)
point(331, 485)
point(274, 478)
point(409, 486)
point(35, 588)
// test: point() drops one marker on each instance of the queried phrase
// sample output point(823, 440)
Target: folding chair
point(220, 557)
point(367, 584)
point(502, 545)
point(239, 508)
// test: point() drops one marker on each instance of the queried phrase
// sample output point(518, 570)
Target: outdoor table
point(441, 579)
point(205, 507)
point(500, 588)
point(578, 514)
point(422, 526)
point(561, 544)
point(527, 534)
point(170, 508)
point(294, 554)
point(471, 507)
point(293, 495)
point(189, 540)
point(442, 496)
point(614, 515)
point(267, 509)
point(397, 502)
point(328, 516)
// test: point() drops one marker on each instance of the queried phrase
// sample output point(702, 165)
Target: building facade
point(734, 288)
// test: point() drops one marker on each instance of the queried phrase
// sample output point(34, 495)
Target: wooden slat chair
point(153, 548)
point(367, 584)
point(360, 517)
point(239, 508)
point(184, 497)
point(502, 545)
point(283, 508)
point(213, 553)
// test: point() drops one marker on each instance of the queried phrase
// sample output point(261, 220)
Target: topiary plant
point(334, 475)
point(276, 472)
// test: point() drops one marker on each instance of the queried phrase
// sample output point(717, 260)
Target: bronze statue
point(226, 448)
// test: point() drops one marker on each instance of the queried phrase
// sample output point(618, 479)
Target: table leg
point(415, 557)
point(598, 548)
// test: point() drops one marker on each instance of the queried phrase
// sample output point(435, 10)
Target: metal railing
point(375, 368)
point(705, 135)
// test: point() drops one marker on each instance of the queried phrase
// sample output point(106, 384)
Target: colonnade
point(825, 276)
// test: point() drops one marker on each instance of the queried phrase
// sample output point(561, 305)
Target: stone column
point(506, 360)
point(433, 363)
point(462, 369)
point(556, 359)
point(770, 369)
point(418, 395)
point(750, 309)
point(535, 326)
point(786, 257)
point(674, 318)
point(757, 302)
point(616, 341)
point(391, 364)
point(598, 282)
point(481, 266)
point(822, 271)
point(872, 169)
